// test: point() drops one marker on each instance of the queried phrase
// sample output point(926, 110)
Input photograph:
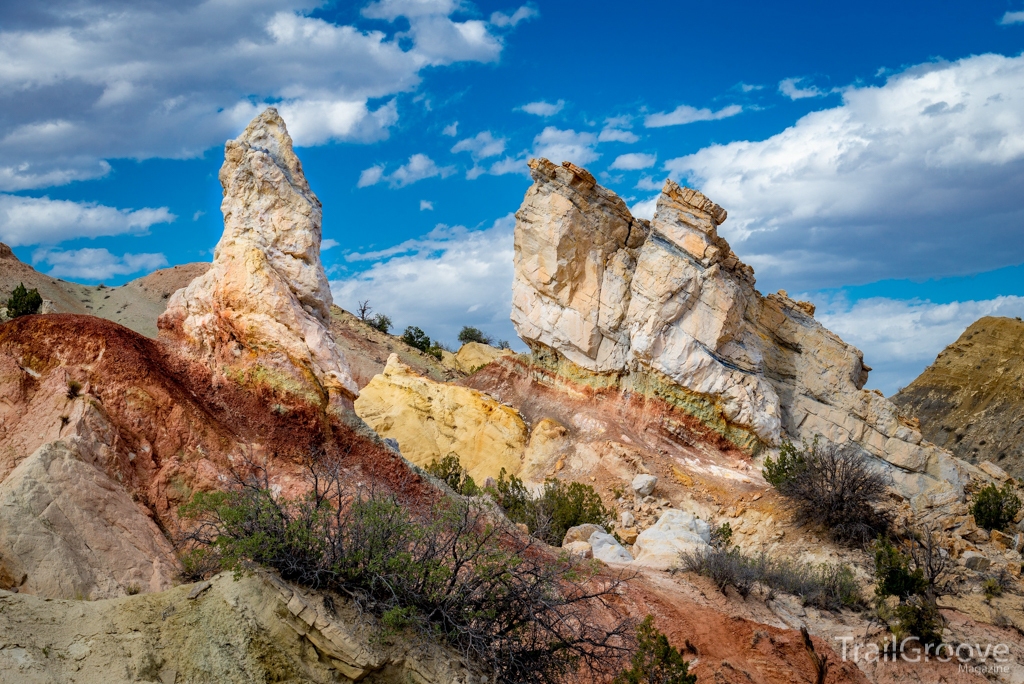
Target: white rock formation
point(605, 547)
point(676, 532)
point(670, 300)
point(266, 300)
point(644, 484)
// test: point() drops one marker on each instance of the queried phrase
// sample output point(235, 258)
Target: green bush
point(415, 337)
point(450, 471)
point(655, 661)
point(381, 322)
point(894, 575)
point(791, 462)
point(450, 571)
point(23, 302)
point(721, 536)
point(995, 508)
point(470, 334)
point(557, 507)
point(915, 577)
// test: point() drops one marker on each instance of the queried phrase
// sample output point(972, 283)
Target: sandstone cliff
point(667, 307)
point(263, 309)
point(971, 399)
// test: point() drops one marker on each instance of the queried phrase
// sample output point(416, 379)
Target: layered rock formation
point(263, 309)
point(667, 307)
point(970, 399)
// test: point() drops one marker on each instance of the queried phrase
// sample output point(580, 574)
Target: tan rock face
point(431, 420)
point(264, 307)
point(615, 295)
point(473, 355)
point(69, 531)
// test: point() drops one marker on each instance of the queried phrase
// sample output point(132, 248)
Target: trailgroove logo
point(972, 658)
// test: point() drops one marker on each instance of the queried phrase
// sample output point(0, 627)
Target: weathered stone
point(975, 561)
point(263, 309)
point(626, 519)
point(581, 533)
point(628, 535)
point(676, 532)
point(607, 549)
point(1003, 541)
point(579, 549)
point(431, 420)
point(643, 484)
point(669, 304)
point(473, 356)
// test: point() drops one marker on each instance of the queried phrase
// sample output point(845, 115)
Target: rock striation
point(263, 308)
point(969, 400)
point(666, 307)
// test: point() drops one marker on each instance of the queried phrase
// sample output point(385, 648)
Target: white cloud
point(1012, 18)
point(43, 221)
point(198, 215)
point(543, 108)
point(95, 264)
point(748, 88)
point(327, 244)
point(80, 83)
point(449, 278)
point(645, 208)
point(616, 129)
point(481, 146)
point(451, 130)
point(634, 161)
point(900, 338)
point(503, 20)
point(648, 183)
point(684, 114)
point(426, 205)
point(918, 178)
point(565, 145)
point(419, 167)
point(790, 88)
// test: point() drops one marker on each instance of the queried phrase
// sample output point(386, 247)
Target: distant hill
point(135, 305)
point(971, 399)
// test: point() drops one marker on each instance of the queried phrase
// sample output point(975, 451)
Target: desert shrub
point(913, 570)
point(721, 536)
point(23, 302)
point(450, 471)
point(557, 507)
point(831, 485)
point(994, 508)
point(74, 389)
point(470, 334)
point(450, 571)
point(827, 586)
point(380, 322)
point(415, 337)
point(655, 661)
point(992, 588)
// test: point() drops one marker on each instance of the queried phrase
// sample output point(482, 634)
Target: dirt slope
point(135, 305)
point(971, 399)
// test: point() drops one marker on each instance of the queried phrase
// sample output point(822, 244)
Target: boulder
point(579, 549)
point(262, 310)
point(643, 484)
point(626, 519)
point(606, 548)
point(676, 532)
point(431, 419)
point(473, 356)
point(581, 533)
point(628, 535)
point(973, 560)
point(67, 530)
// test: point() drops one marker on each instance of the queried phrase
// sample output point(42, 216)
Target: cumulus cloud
point(95, 264)
point(684, 114)
point(1012, 18)
point(543, 108)
point(44, 221)
point(481, 146)
point(426, 205)
point(451, 130)
point(110, 79)
point(645, 208)
point(900, 338)
point(419, 167)
point(565, 145)
point(918, 178)
point(616, 129)
point(503, 20)
point(327, 244)
point(634, 161)
point(790, 87)
point(449, 278)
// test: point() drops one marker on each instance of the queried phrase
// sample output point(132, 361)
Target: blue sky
point(871, 155)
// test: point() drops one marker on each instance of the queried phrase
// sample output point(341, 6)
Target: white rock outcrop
point(676, 532)
point(669, 300)
point(605, 547)
point(266, 301)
